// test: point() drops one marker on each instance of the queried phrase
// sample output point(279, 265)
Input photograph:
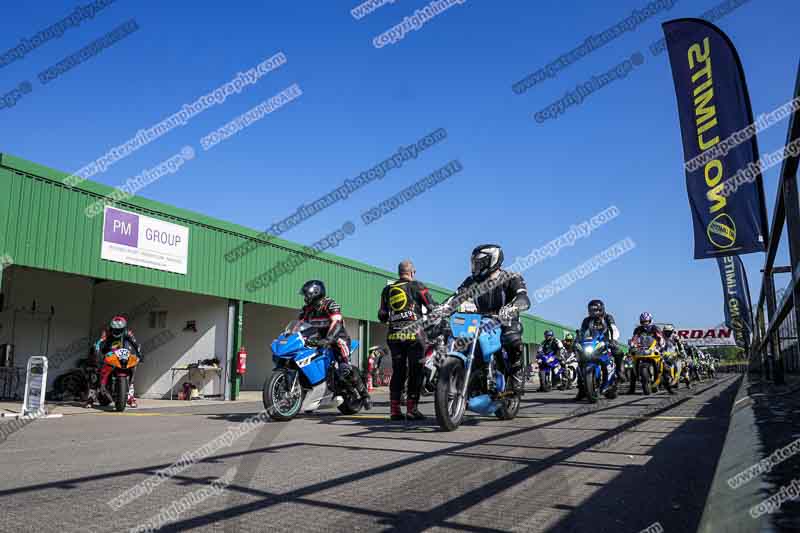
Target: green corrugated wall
point(43, 225)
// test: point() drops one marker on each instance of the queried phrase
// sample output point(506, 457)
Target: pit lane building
point(65, 273)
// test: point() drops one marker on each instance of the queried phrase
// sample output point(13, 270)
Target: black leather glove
point(320, 343)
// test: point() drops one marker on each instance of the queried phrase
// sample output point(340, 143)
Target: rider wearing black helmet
point(597, 313)
point(569, 344)
point(498, 292)
point(551, 345)
point(116, 335)
point(326, 315)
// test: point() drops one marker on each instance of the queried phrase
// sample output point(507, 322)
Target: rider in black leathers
point(597, 313)
point(402, 303)
point(116, 335)
point(326, 315)
point(497, 292)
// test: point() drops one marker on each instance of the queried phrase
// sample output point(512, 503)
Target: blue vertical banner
point(736, 294)
point(728, 214)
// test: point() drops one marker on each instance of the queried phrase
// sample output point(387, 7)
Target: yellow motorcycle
point(672, 368)
point(649, 364)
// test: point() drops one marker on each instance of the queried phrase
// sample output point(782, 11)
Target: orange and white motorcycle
point(122, 363)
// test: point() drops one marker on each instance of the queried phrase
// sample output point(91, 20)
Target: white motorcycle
point(569, 377)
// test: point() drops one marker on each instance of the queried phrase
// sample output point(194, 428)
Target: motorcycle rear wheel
point(273, 405)
point(449, 402)
point(121, 393)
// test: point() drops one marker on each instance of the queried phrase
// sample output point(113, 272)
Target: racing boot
point(366, 400)
point(91, 398)
point(132, 398)
point(394, 409)
point(413, 411)
point(517, 379)
point(581, 392)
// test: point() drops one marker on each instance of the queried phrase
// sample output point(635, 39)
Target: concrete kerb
point(727, 509)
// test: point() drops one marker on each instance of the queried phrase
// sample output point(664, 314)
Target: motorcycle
point(693, 365)
point(685, 376)
point(122, 361)
point(628, 368)
point(469, 377)
point(673, 368)
point(595, 354)
point(570, 376)
point(76, 383)
point(648, 360)
point(550, 370)
point(305, 376)
point(710, 368)
point(435, 355)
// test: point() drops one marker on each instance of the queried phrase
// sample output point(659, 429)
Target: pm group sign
point(135, 239)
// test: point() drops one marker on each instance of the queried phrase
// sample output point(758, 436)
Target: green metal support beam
point(238, 322)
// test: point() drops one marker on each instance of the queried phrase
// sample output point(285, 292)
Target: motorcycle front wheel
point(449, 401)
point(121, 393)
point(591, 387)
point(644, 375)
point(544, 380)
point(281, 403)
point(509, 409)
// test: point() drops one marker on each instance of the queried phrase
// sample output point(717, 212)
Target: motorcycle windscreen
point(286, 345)
point(646, 344)
point(315, 366)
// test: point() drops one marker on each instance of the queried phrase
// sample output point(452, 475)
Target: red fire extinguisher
point(241, 361)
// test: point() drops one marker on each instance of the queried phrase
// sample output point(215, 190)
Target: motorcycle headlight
point(589, 350)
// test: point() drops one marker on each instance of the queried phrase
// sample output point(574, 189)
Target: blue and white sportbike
point(550, 370)
point(305, 377)
point(474, 373)
point(599, 372)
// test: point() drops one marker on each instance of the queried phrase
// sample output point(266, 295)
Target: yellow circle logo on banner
point(721, 231)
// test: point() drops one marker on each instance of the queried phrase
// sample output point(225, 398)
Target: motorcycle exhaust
point(483, 405)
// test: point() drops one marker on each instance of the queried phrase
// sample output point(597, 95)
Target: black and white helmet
point(312, 291)
point(486, 259)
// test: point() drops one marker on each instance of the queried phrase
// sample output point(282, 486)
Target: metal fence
point(774, 348)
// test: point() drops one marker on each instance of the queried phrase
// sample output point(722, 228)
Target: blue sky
point(523, 182)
